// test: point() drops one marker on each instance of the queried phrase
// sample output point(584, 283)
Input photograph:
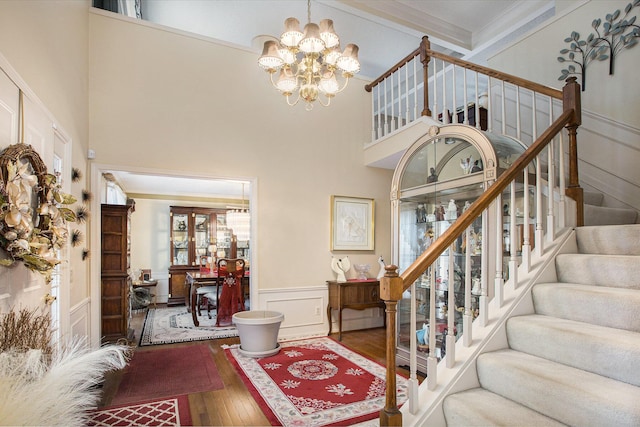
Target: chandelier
point(239, 221)
point(309, 62)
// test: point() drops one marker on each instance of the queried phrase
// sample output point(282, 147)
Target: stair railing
point(504, 109)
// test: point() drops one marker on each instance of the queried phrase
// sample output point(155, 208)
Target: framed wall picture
point(352, 224)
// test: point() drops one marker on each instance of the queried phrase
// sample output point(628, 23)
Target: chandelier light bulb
point(292, 35)
point(270, 59)
point(327, 34)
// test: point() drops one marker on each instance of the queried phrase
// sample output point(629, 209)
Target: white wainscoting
point(79, 319)
point(305, 312)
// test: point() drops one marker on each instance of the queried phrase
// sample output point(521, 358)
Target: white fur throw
point(35, 392)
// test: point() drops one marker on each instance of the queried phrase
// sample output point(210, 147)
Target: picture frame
point(352, 223)
point(145, 274)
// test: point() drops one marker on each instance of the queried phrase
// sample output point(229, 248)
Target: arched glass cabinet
point(436, 179)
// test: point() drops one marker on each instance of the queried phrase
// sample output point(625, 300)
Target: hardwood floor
point(233, 405)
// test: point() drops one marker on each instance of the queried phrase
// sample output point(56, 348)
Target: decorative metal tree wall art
point(618, 33)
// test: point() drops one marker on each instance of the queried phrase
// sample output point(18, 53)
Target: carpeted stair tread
point(600, 215)
point(611, 240)
point(478, 407)
point(569, 395)
point(600, 305)
point(598, 349)
point(617, 271)
point(593, 198)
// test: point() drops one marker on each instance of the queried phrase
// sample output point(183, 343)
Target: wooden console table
point(354, 294)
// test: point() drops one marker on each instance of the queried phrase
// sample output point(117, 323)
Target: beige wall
point(46, 43)
point(535, 58)
point(167, 101)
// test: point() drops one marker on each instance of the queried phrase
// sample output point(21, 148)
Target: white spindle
point(445, 116)
point(454, 108)
point(432, 360)
point(489, 106)
point(379, 110)
point(467, 320)
point(483, 306)
point(393, 124)
point(413, 349)
point(407, 116)
point(464, 97)
point(561, 173)
point(513, 237)
point(386, 116)
point(518, 121)
point(499, 279)
point(435, 89)
point(451, 311)
point(476, 102)
point(504, 108)
point(526, 243)
point(539, 249)
point(551, 228)
point(415, 89)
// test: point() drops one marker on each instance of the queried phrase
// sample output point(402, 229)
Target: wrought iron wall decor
point(618, 33)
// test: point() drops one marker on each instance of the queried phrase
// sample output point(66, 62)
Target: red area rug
point(160, 373)
point(315, 382)
point(166, 412)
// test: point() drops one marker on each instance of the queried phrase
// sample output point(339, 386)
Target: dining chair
point(228, 296)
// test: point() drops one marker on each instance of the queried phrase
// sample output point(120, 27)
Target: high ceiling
point(384, 30)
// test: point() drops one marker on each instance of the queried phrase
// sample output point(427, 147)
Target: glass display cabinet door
point(202, 237)
point(180, 239)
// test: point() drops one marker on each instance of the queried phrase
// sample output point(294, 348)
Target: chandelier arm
point(322, 103)
point(294, 103)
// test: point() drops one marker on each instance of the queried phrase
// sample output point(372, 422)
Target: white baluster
point(453, 95)
point(451, 311)
point(407, 116)
point(518, 121)
point(551, 228)
point(386, 116)
point(379, 110)
point(526, 244)
point(499, 279)
point(467, 320)
point(445, 116)
point(435, 89)
point(464, 97)
point(432, 360)
point(415, 88)
point(513, 236)
point(489, 105)
point(563, 208)
point(483, 316)
point(504, 109)
point(413, 360)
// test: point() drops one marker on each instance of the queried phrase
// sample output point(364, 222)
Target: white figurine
point(452, 211)
point(340, 267)
point(382, 270)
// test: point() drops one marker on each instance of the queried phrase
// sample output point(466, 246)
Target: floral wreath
point(33, 219)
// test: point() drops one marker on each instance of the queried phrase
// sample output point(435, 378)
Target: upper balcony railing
point(450, 90)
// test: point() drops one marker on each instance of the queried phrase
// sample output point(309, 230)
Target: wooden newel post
point(425, 45)
point(571, 101)
point(391, 293)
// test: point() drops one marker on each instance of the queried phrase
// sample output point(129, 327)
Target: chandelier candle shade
point(309, 62)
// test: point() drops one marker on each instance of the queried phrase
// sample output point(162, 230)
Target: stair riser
point(613, 240)
point(602, 351)
point(598, 215)
point(619, 271)
point(566, 394)
point(611, 307)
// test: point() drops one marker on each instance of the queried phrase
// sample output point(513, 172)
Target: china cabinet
point(437, 178)
point(197, 237)
point(114, 275)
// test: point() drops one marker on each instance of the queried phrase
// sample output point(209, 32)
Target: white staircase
point(574, 361)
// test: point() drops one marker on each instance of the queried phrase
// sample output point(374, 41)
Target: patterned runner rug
point(175, 324)
point(166, 412)
point(315, 382)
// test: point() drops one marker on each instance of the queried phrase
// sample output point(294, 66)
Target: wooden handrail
point(509, 78)
point(429, 256)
